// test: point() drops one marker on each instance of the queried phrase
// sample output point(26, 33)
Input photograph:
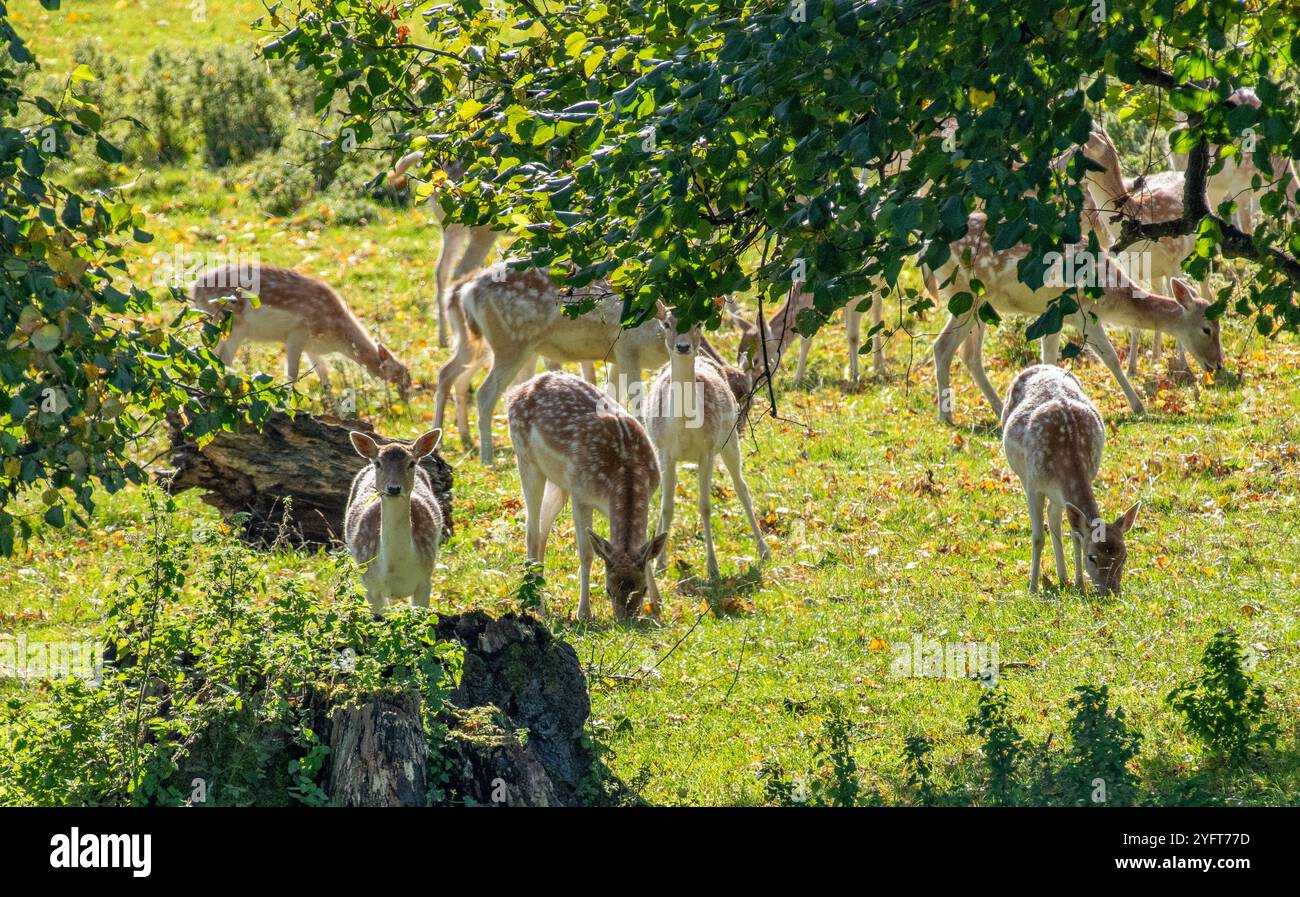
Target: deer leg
point(504, 368)
point(801, 367)
point(972, 355)
point(451, 375)
point(229, 347)
point(731, 458)
point(1054, 514)
point(462, 399)
point(582, 523)
point(453, 242)
point(532, 482)
point(589, 372)
point(944, 348)
point(853, 334)
point(705, 471)
point(667, 495)
point(552, 503)
point(1049, 348)
point(293, 348)
point(1134, 343)
point(322, 369)
point(1035, 501)
point(878, 335)
point(529, 368)
point(422, 593)
point(1095, 336)
point(477, 246)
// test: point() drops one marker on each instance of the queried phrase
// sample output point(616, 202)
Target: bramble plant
point(85, 371)
point(1224, 707)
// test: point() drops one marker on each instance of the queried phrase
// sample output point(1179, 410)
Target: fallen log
point(287, 482)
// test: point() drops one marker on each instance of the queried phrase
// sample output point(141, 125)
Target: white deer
point(393, 523)
point(519, 314)
point(573, 442)
point(301, 312)
point(692, 415)
point(1053, 439)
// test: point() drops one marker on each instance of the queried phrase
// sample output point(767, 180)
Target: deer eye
point(1207, 331)
point(1092, 558)
point(410, 465)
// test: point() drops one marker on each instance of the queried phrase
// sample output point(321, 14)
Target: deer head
point(1102, 546)
point(1197, 330)
point(626, 572)
point(393, 371)
point(395, 463)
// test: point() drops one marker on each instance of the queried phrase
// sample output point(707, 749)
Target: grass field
point(885, 528)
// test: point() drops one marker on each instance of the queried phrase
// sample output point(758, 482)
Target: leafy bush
point(242, 110)
point(282, 186)
point(1003, 744)
point(1102, 745)
point(1224, 707)
point(85, 367)
point(197, 689)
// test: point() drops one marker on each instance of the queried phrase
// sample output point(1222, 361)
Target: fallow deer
point(1151, 199)
point(780, 331)
point(1053, 439)
point(463, 249)
point(519, 314)
point(1123, 303)
point(572, 442)
point(691, 414)
point(303, 313)
point(393, 523)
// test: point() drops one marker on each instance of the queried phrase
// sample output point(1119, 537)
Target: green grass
point(884, 526)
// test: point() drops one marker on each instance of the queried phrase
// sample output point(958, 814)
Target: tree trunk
point(378, 753)
point(291, 479)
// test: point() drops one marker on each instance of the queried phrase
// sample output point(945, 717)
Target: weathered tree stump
point(378, 753)
point(291, 478)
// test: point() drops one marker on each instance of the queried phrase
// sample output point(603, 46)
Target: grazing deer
point(573, 442)
point(691, 414)
point(519, 314)
point(779, 333)
point(300, 311)
point(1150, 199)
point(1053, 439)
point(463, 249)
point(1122, 303)
point(393, 524)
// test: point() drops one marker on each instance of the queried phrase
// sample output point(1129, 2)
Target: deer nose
point(683, 349)
point(393, 489)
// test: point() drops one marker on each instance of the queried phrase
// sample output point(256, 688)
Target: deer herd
point(610, 449)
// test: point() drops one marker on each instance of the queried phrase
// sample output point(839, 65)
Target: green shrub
point(242, 109)
point(282, 186)
point(1225, 709)
point(1101, 747)
point(203, 687)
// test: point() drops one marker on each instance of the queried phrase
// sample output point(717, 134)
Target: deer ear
point(365, 446)
point(601, 545)
point(1078, 520)
point(1183, 292)
point(1128, 518)
point(651, 549)
point(427, 443)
